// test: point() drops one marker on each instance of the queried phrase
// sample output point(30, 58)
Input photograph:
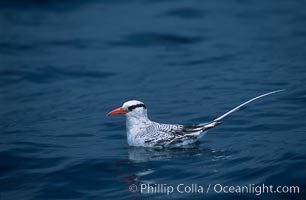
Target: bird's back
point(156, 134)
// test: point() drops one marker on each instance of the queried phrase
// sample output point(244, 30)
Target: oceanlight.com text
point(256, 189)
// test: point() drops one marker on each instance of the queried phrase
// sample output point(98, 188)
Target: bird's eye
point(130, 108)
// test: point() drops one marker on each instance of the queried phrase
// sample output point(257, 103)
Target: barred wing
point(168, 134)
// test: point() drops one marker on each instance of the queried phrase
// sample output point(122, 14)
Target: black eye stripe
point(130, 108)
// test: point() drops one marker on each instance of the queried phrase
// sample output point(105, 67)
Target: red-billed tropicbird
point(141, 131)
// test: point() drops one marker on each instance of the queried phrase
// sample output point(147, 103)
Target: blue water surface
point(65, 64)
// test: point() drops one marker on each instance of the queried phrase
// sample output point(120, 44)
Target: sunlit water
point(65, 64)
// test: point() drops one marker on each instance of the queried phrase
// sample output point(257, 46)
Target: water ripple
point(155, 39)
point(50, 74)
point(186, 13)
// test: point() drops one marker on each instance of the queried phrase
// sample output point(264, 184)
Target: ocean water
point(65, 64)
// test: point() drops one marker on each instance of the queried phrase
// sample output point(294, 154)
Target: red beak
point(118, 111)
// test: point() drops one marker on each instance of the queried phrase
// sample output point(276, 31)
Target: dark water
point(65, 64)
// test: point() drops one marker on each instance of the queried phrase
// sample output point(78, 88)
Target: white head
point(132, 108)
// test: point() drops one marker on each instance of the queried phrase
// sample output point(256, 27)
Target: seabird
point(141, 131)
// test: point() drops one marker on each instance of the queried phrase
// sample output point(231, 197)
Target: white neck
point(136, 121)
point(137, 117)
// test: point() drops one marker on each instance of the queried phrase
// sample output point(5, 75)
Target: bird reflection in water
point(140, 158)
point(142, 154)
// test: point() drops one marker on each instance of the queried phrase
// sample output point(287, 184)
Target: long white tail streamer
point(243, 104)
